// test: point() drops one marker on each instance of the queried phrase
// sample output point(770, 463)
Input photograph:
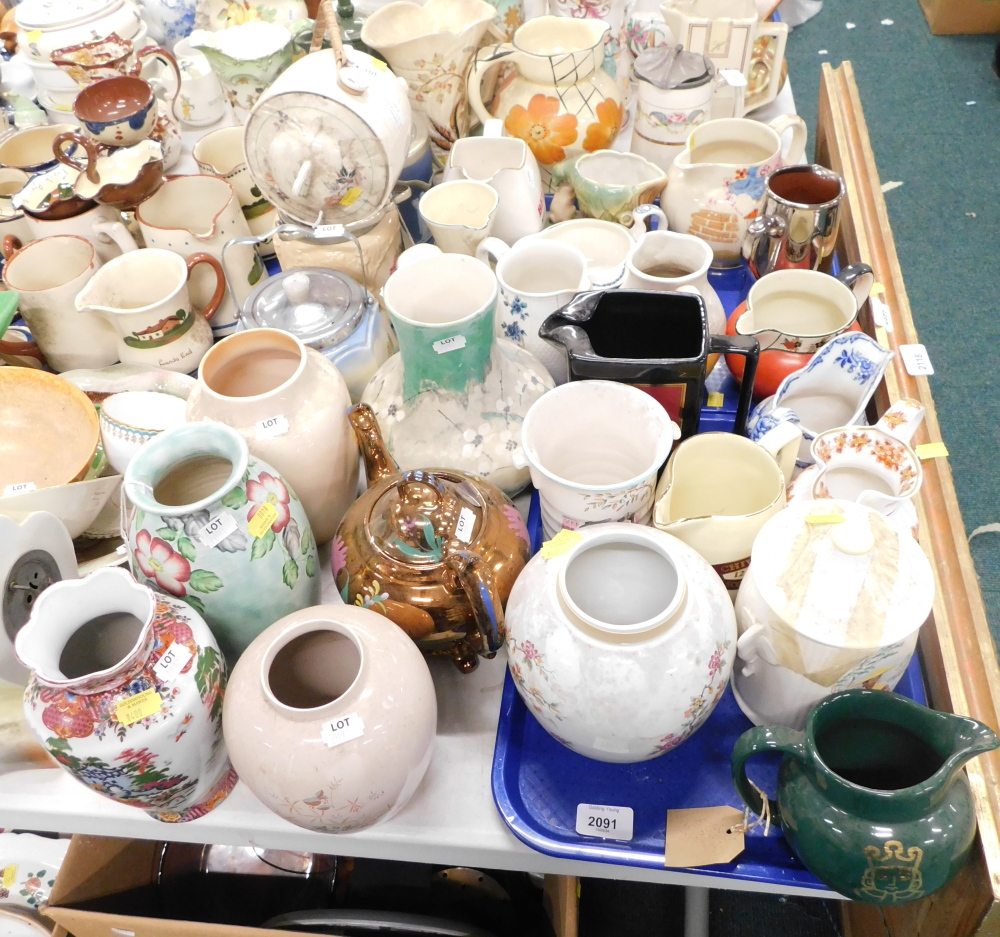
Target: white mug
point(604, 245)
point(459, 214)
point(536, 278)
point(593, 449)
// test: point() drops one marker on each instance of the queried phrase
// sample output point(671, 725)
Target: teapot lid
point(58, 14)
point(413, 520)
point(319, 306)
point(839, 573)
point(669, 67)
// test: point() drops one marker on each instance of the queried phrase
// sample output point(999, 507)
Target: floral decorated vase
point(126, 694)
point(194, 532)
point(435, 551)
point(330, 718)
point(169, 21)
point(620, 640)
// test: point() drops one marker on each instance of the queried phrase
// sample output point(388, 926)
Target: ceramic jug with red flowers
point(221, 530)
point(561, 104)
point(126, 694)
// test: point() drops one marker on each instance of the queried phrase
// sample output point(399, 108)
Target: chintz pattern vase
point(204, 543)
point(91, 671)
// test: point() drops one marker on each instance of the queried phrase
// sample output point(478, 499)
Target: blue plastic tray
point(538, 783)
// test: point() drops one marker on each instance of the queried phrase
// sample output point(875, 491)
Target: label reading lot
point(271, 427)
point(341, 730)
point(449, 344)
point(18, 488)
point(216, 530)
point(172, 661)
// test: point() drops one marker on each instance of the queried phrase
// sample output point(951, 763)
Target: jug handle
point(754, 742)
point(782, 444)
point(379, 465)
point(168, 59)
point(749, 348)
point(477, 582)
point(8, 309)
point(492, 247)
point(902, 419)
point(795, 152)
point(10, 247)
point(778, 32)
point(116, 233)
point(90, 168)
point(859, 279)
point(212, 306)
point(635, 220)
point(480, 66)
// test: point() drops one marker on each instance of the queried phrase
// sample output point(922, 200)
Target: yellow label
point(266, 515)
point(819, 516)
point(350, 197)
point(877, 288)
point(141, 706)
point(931, 450)
point(379, 64)
point(561, 543)
point(716, 399)
point(881, 336)
point(9, 876)
point(34, 35)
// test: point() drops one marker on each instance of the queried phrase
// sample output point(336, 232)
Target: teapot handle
point(478, 72)
point(754, 742)
point(212, 306)
point(90, 168)
point(326, 23)
point(749, 347)
point(477, 581)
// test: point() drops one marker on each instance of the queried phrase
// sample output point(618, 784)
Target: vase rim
point(265, 337)
point(191, 440)
point(282, 640)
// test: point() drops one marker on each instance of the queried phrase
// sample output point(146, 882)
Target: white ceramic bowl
point(130, 419)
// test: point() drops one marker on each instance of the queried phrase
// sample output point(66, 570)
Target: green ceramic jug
point(871, 796)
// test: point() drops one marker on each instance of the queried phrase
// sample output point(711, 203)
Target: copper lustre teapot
point(434, 550)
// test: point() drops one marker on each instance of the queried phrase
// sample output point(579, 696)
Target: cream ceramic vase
point(330, 718)
point(716, 182)
point(126, 694)
point(195, 214)
point(560, 101)
point(221, 530)
point(623, 645)
point(290, 405)
point(432, 46)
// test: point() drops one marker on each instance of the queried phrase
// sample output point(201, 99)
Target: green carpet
point(915, 89)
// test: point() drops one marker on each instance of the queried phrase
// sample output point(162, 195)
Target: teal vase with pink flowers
point(211, 525)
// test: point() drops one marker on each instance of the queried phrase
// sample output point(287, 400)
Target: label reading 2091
point(604, 821)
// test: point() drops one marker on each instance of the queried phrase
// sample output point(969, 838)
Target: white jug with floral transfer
point(560, 100)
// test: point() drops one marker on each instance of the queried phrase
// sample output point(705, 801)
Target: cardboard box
point(96, 867)
point(951, 17)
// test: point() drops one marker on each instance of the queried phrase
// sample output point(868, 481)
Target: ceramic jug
point(432, 46)
point(871, 796)
point(561, 103)
point(622, 645)
point(719, 489)
point(455, 395)
point(436, 551)
point(330, 717)
point(126, 694)
point(834, 599)
point(219, 529)
point(658, 341)
point(609, 185)
point(716, 183)
point(459, 214)
point(509, 166)
point(192, 214)
point(144, 295)
point(832, 390)
point(605, 245)
point(290, 405)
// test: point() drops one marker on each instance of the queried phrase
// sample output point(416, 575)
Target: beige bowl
point(77, 506)
point(49, 430)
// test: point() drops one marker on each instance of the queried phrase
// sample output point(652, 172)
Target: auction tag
point(733, 77)
point(449, 344)
point(561, 543)
point(350, 197)
point(880, 313)
point(141, 706)
point(465, 525)
point(172, 661)
point(605, 822)
point(261, 522)
point(916, 360)
point(931, 450)
point(18, 488)
point(322, 231)
point(715, 399)
point(702, 836)
point(271, 427)
point(337, 731)
point(217, 529)
point(9, 876)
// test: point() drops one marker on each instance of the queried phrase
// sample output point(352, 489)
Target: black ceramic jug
point(657, 341)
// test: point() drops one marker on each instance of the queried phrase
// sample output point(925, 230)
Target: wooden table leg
point(562, 900)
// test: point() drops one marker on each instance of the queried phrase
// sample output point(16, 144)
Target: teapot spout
point(379, 465)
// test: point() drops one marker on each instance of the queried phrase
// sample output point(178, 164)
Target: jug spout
point(379, 465)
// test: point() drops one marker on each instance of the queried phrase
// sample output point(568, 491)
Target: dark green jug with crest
point(871, 796)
